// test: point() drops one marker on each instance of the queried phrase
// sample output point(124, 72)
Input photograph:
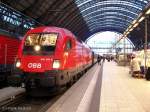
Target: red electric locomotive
point(51, 57)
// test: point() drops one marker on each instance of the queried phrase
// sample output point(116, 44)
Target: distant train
point(51, 57)
point(8, 51)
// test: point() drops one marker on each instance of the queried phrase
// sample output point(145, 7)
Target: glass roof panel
point(107, 22)
point(110, 3)
point(111, 9)
point(111, 25)
point(101, 10)
point(104, 19)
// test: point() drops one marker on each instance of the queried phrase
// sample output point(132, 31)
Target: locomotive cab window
point(40, 43)
point(68, 45)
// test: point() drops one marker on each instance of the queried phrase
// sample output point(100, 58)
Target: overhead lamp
point(128, 33)
point(134, 21)
point(130, 26)
point(135, 25)
point(131, 29)
point(126, 30)
point(124, 33)
point(139, 15)
point(148, 11)
point(141, 19)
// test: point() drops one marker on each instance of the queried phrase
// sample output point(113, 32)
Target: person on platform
point(99, 60)
point(103, 58)
point(142, 67)
point(135, 66)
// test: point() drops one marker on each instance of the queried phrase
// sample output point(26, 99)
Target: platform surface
point(118, 92)
point(122, 93)
point(80, 97)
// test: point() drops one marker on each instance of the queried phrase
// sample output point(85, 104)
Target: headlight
point(37, 48)
point(18, 63)
point(56, 64)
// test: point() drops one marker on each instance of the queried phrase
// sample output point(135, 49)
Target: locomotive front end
point(37, 60)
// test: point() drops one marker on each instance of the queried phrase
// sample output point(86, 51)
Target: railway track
point(7, 104)
point(24, 103)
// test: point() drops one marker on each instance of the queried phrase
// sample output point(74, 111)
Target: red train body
point(8, 51)
point(51, 56)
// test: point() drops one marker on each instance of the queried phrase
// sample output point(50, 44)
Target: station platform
point(111, 89)
point(83, 96)
point(122, 93)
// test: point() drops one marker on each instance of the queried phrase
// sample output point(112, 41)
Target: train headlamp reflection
point(18, 63)
point(37, 48)
point(56, 64)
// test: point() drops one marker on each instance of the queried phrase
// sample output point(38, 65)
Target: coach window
point(68, 45)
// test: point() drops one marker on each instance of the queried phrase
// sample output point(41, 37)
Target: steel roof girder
point(109, 22)
point(70, 22)
point(113, 18)
point(106, 26)
point(81, 3)
point(52, 10)
point(72, 19)
point(113, 13)
point(112, 4)
point(94, 30)
point(104, 10)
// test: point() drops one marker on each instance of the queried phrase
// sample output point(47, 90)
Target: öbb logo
point(34, 65)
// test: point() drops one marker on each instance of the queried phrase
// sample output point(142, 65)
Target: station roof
point(84, 17)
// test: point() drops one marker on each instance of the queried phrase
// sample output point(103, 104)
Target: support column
point(124, 45)
point(145, 45)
